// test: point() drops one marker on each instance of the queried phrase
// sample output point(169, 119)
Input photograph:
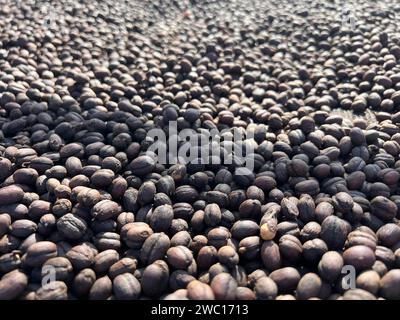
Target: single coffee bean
point(212, 215)
point(71, 226)
point(286, 278)
point(135, 233)
point(106, 209)
point(179, 279)
point(101, 289)
point(334, 232)
point(224, 287)
point(179, 257)
point(389, 234)
point(12, 285)
point(270, 255)
point(197, 290)
point(330, 266)
point(289, 208)
point(228, 256)
point(265, 289)
point(104, 260)
point(309, 286)
point(313, 250)
point(126, 287)
point(5, 223)
point(40, 252)
point(369, 281)
point(244, 228)
point(10, 261)
point(243, 293)
point(154, 248)
point(81, 256)
point(383, 208)
point(83, 282)
point(11, 194)
point(343, 202)
point(249, 247)
point(310, 231)
point(55, 290)
point(161, 218)
point(290, 248)
point(358, 294)
point(155, 279)
point(360, 257)
point(389, 285)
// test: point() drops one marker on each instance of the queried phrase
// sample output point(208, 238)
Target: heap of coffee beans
point(88, 212)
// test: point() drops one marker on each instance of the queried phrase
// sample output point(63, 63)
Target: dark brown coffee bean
point(59, 267)
point(197, 290)
point(179, 279)
point(12, 285)
point(330, 266)
point(289, 208)
point(212, 215)
point(11, 194)
point(23, 228)
point(265, 289)
point(360, 257)
point(54, 290)
point(389, 234)
point(40, 252)
point(101, 289)
point(5, 223)
point(155, 279)
point(228, 256)
point(39, 208)
point(179, 257)
point(334, 232)
point(249, 247)
point(186, 193)
point(362, 236)
point(107, 240)
point(83, 282)
point(126, 287)
point(218, 237)
point(313, 250)
point(71, 226)
point(106, 209)
point(25, 176)
point(224, 287)
point(310, 187)
point(286, 278)
point(154, 248)
point(358, 294)
point(135, 233)
point(244, 228)
point(243, 293)
point(142, 165)
point(383, 208)
point(104, 260)
point(81, 256)
point(10, 262)
point(310, 231)
point(290, 248)
point(389, 285)
point(270, 255)
point(369, 281)
point(343, 202)
point(161, 218)
point(125, 265)
point(250, 209)
point(102, 178)
point(308, 287)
